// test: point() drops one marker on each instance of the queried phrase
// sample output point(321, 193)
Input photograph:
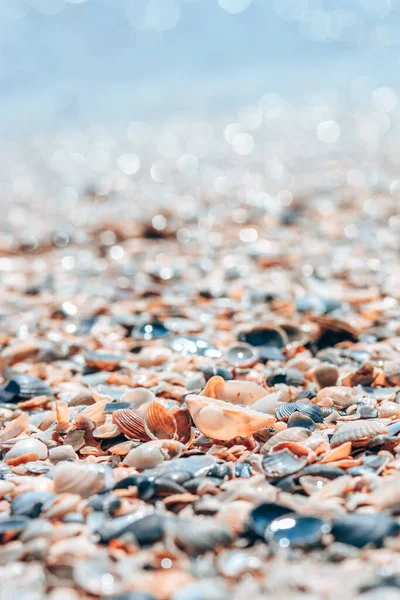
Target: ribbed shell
point(284, 411)
point(280, 464)
point(357, 430)
point(130, 422)
point(84, 479)
point(159, 423)
point(294, 434)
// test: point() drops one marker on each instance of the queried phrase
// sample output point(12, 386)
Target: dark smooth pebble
point(132, 480)
point(13, 524)
point(261, 516)
point(297, 531)
point(243, 470)
point(73, 517)
point(220, 470)
point(147, 530)
point(362, 529)
point(192, 485)
point(30, 504)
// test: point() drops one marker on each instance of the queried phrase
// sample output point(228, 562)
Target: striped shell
point(200, 535)
point(294, 434)
point(84, 479)
point(159, 422)
point(282, 463)
point(131, 423)
point(285, 410)
point(24, 387)
point(353, 431)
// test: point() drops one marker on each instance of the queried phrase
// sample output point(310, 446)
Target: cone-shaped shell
point(222, 421)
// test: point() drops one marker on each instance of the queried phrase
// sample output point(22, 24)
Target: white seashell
point(28, 446)
point(223, 421)
point(268, 404)
point(61, 453)
point(235, 392)
point(152, 454)
point(84, 479)
point(138, 396)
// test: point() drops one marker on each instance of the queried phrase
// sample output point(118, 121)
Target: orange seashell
point(342, 451)
point(62, 412)
point(294, 447)
point(121, 449)
point(130, 422)
point(159, 423)
point(346, 463)
point(21, 460)
point(183, 425)
point(14, 427)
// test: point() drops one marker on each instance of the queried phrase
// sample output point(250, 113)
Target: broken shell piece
point(339, 396)
point(138, 396)
point(293, 434)
point(152, 454)
point(223, 421)
point(14, 428)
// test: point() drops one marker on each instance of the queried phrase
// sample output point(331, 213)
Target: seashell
point(196, 465)
point(360, 529)
point(268, 404)
point(326, 376)
point(183, 425)
point(61, 505)
point(138, 396)
point(297, 419)
point(81, 478)
point(282, 463)
point(104, 361)
point(261, 516)
point(152, 454)
point(338, 396)
point(297, 531)
point(365, 375)
point(265, 335)
point(224, 421)
point(98, 576)
point(241, 355)
point(146, 530)
point(286, 409)
point(334, 331)
point(235, 392)
point(353, 431)
point(199, 535)
point(150, 357)
point(328, 471)
point(14, 428)
point(342, 451)
point(294, 434)
point(235, 514)
point(386, 409)
point(27, 447)
point(106, 431)
point(30, 504)
point(287, 376)
point(312, 484)
point(23, 387)
point(62, 412)
point(131, 423)
point(95, 412)
point(159, 423)
point(121, 449)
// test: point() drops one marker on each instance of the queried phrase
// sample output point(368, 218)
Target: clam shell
point(352, 431)
point(224, 421)
point(159, 422)
point(298, 419)
point(84, 479)
point(131, 423)
point(294, 434)
point(339, 396)
point(138, 396)
point(200, 535)
point(183, 425)
point(286, 409)
point(264, 335)
point(282, 463)
point(23, 387)
point(235, 392)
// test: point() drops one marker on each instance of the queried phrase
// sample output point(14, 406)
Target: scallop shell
point(159, 422)
point(131, 423)
point(286, 409)
point(339, 396)
point(183, 425)
point(294, 434)
point(84, 479)
point(200, 535)
point(282, 463)
point(223, 421)
point(353, 431)
point(152, 454)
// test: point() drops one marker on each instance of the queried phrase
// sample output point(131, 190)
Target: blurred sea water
point(114, 61)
